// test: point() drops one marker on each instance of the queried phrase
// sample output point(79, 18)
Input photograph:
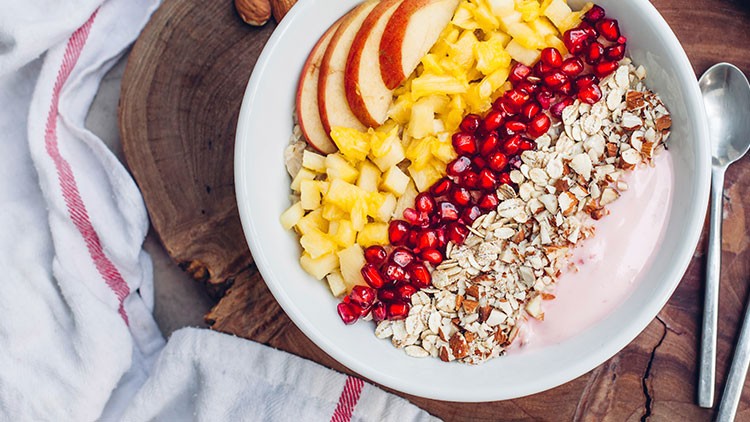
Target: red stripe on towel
point(348, 400)
point(68, 185)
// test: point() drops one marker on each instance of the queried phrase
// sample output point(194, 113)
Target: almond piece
point(253, 12)
point(280, 8)
point(458, 346)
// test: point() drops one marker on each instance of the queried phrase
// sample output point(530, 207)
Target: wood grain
point(180, 98)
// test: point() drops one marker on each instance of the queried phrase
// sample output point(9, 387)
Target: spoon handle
point(736, 380)
point(707, 370)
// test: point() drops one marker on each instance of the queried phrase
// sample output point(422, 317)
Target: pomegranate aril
point(594, 53)
point(378, 312)
point(348, 313)
point(415, 218)
point(586, 80)
point(441, 187)
point(512, 144)
point(492, 120)
point(590, 94)
point(608, 29)
point(555, 79)
point(594, 14)
point(398, 232)
point(538, 126)
point(557, 109)
point(519, 72)
point(460, 196)
point(433, 256)
point(544, 98)
point(565, 89)
point(541, 69)
point(458, 166)
point(404, 292)
point(470, 180)
point(489, 143)
point(527, 87)
point(363, 296)
point(527, 145)
point(402, 257)
point(464, 143)
point(412, 242)
point(427, 239)
point(489, 201)
point(397, 310)
point(487, 180)
point(577, 39)
point(497, 161)
point(394, 272)
point(441, 236)
point(478, 163)
point(552, 57)
point(615, 52)
point(425, 203)
point(530, 110)
point(387, 294)
point(457, 233)
point(572, 66)
point(420, 275)
point(372, 276)
point(589, 29)
point(470, 214)
point(448, 211)
point(504, 178)
point(622, 40)
point(514, 126)
point(375, 255)
point(604, 68)
point(516, 98)
point(470, 123)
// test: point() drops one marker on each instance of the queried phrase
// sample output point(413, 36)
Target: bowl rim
point(683, 70)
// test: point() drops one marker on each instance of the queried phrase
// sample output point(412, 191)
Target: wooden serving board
point(180, 98)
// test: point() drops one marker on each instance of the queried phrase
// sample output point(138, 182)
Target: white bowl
point(262, 185)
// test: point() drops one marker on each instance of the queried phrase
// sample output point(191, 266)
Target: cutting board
point(180, 98)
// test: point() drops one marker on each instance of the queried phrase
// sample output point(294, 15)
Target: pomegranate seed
point(387, 294)
point(544, 98)
point(622, 40)
point(499, 105)
point(397, 310)
point(375, 255)
point(425, 203)
point(615, 52)
point(589, 30)
point(576, 39)
point(604, 68)
point(552, 57)
point(413, 217)
point(470, 180)
point(498, 161)
point(460, 196)
point(464, 144)
point(493, 120)
point(565, 88)
point(519, 72)
point(572, 66)
point(470, 214)
point(427, 239)
point(372, 276)
point(511, 145)
point(363, 296)
point(527, 145)
point(504, 178)
point(448, 211)
point(594, 14)
point(555, 79)
point(470, 123)
point(487, 179)
point(398, 232)
point(609, 29)
point(457, 233)
point(516, 98)
point(404, 292)
point(378, 312)
point(594, 53)
point(412, 243)
point(541, 69)
point(441, 235)
point(420, 275)
point(394, 272)
point(433, 256)
point(402, 257)
point(441, 187)
point(478, 163)
point(590, 94)
point(538, 126)
point(530, 110)
point(489, 143)
point(527, 87)
point(489, 201)
point(514, 126)
point(557, 109)
point(458, 166)
point(586, 80)
point(348, 313)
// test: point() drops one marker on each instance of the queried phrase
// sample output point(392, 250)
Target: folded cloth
point(77, 339)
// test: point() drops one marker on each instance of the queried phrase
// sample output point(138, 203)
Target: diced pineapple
point(486, 20)
point(344, 195)
point(313, 161)
point(332, 212)
point(310, 194)
point(304, 174)
point(358, 215)
point(386, 208)
point(291, 216)
point(524, 35)
point(421, 122)
point(369, 177)
point(395, 181)
point(336, 283)
point(381, 142)
point(351, 261)
point(338, 168)
point(571, 21)
point(529, 9)
point(442, 149)
point(491, 55)
point(344, 234)
point(461, 50)
point(400, 110)
point(425, 177)
point(394, 156)
point(373, 234)
point(419, 152)
point(554, 41)
point(522, 54)
point(428, 84)
point(406, 200)
point(502, 7)
point(509, 18)
point(317, 243)
point(557, 11)
point(311, 222)
point(464, 16)
point(351, 142)
point(431, 64)
point(543, 27)
point(319, 267)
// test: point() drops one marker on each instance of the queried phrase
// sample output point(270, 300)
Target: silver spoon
point(726, 95)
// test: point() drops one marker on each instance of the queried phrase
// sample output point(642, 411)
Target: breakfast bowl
point(262, 185)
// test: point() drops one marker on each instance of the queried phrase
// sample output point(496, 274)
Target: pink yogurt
point(608, 265)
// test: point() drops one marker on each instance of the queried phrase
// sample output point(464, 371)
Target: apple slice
point(367, 95)
point(410, 33)
point(332, 105)
point(308, 115)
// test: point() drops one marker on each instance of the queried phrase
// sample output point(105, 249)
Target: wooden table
point(181, 94)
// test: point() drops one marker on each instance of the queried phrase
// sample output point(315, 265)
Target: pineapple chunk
point(461, 51)
point(310, 194)
point(509, 18)
point(557, 11)
point(395, 181)
point(332, 212)
point(394, 156)
point(502, 7)
point(312, 222)
point(486, 20)
point(336, 283)
point(442, 149)
point(524, 35)
point(344, 195)
point(386, 208)
point(421, 122)
point(491, 55)
point(358, 215)
point(554, 41)
point(352, 143)
point(425, 177)
point(317, 243)
point(292, 215)
point(344, 234)
point(351, 261)
point(427, 84)
point(406, 200)
point(369, 177)
point(571, 21)
point(522, 54)
point(529, 9)
point(419, 153)
point(303, 174)
point(319, 267)
point(543, 27)
point(373, 234)
point(401, 109)
point(313, 161)
point(464, 16)
point(338, 168)
point(382, 142)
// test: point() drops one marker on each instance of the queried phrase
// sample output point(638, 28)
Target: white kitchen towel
point(77, 337)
